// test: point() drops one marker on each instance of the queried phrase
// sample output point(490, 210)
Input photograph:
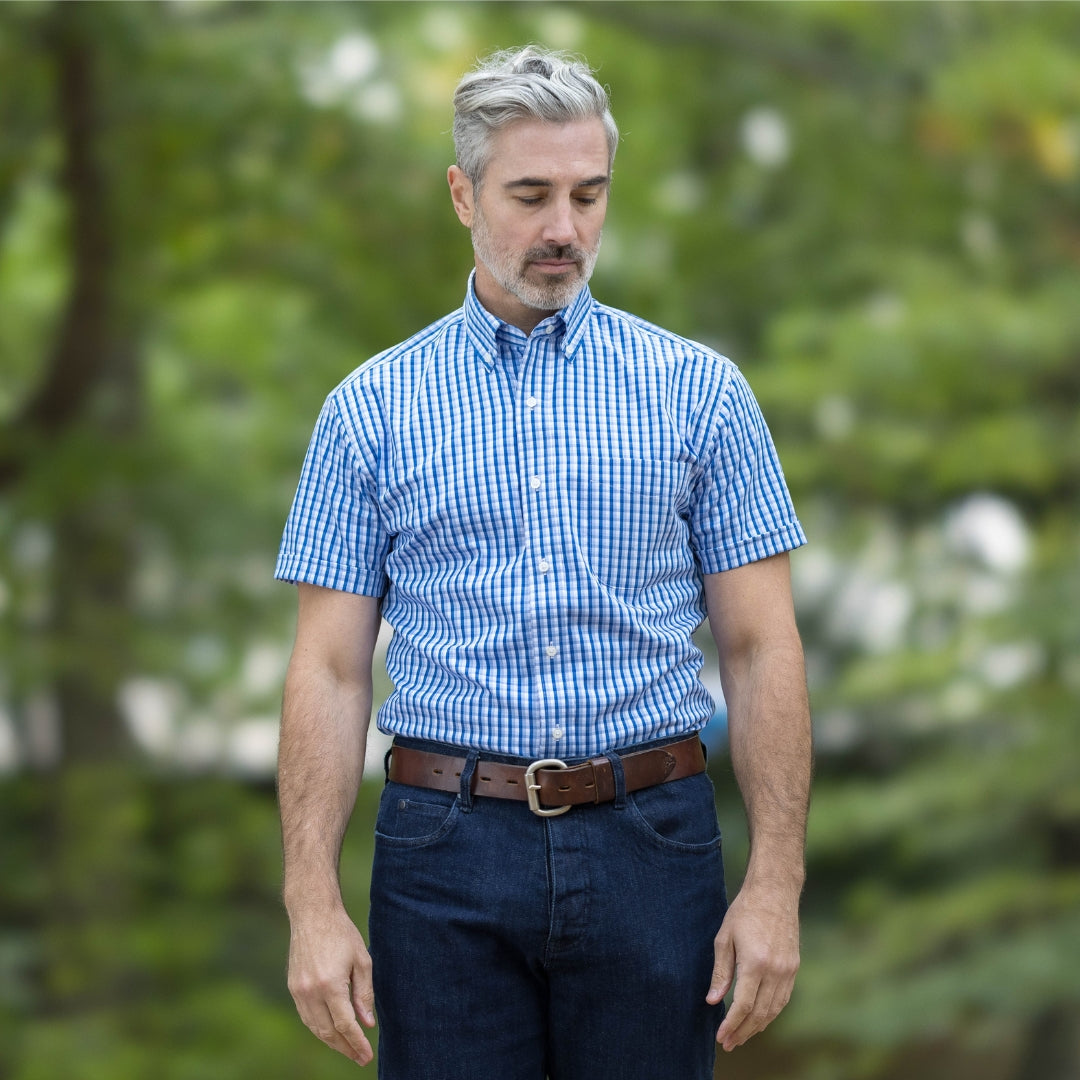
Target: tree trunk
point(89, 391)
point(1052, 1049)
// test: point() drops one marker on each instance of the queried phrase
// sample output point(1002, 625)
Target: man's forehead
point(546, 153)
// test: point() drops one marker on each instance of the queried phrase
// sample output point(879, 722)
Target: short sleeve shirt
point(537, 513)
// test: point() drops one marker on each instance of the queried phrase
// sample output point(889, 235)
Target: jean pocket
point(414, 817)
point(680, 815)
point(627, 522)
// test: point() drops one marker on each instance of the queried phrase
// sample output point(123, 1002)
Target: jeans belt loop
point(618, 777)
point(466, 792)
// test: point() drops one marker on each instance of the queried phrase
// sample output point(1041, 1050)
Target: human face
point(537, 218)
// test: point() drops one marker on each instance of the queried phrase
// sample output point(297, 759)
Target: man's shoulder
point(651, 342)
point(399, 360)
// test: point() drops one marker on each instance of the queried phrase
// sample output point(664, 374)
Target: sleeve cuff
point(786, 538)
point(355, 579)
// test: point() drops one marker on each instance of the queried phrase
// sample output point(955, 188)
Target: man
point(544, 497)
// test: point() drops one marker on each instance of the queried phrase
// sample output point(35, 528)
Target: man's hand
point(758, 942)
point(330, 981)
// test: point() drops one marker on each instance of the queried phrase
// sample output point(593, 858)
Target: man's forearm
point(770, 739)
point(320, 764)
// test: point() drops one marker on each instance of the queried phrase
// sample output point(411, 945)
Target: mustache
point(560, 251)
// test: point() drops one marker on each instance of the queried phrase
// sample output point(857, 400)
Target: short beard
point(509, 273)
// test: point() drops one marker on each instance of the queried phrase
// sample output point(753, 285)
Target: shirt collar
point(482, 327)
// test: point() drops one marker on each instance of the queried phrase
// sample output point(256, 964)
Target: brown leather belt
point(550, 786)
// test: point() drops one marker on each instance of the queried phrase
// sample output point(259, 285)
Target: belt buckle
point(533, 790)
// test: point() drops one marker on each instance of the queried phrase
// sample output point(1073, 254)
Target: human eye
point(588, 196)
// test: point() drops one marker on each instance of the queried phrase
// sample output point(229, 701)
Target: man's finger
point(363, 1001)
point(781, 996)
point(362, 993)
point(321, 1025)
point(346, 1030)
point(334, 1023)
point(739, 1024)
point(723, 972)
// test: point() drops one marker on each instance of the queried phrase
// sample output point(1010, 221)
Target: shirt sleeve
point(742, 511)
point(335, 535)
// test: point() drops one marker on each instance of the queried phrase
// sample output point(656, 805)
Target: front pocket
point(627, 522)
point(413, 817)
point(680, 814)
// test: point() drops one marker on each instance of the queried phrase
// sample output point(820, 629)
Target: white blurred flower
point(1010, 664)
point(871, 613)
point(990, 530)
point(765, 137)
point(353, 58)
point(151, 707)
point(340, 72)
point(251, 746)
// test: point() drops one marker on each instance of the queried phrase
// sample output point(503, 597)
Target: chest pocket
point(627, 522)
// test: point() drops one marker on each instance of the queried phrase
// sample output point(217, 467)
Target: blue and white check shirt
point(537, 513)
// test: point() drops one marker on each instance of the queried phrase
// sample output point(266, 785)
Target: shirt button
point(557, 733)
point(545, 566)
point(531, 402)
point(535, 483)
point(551, 650)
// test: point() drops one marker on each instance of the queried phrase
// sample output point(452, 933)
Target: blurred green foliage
point(143, 933)
point(210, 212)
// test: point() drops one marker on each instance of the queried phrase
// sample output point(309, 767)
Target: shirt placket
point(538, 471)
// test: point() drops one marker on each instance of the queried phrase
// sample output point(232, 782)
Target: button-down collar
point(489, 335)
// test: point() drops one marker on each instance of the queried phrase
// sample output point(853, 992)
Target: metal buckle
point(532, 790)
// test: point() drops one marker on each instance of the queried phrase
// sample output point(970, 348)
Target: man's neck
point(510, 310)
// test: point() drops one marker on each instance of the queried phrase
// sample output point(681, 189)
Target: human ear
point(461, 194)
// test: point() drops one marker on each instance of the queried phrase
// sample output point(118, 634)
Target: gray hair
point(518, 84)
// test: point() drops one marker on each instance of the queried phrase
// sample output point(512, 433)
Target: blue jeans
point(506, 946)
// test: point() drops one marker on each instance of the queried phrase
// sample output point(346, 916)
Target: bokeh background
point(210, 212)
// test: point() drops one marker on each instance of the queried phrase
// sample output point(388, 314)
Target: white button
point(557, 733)
point(545, 566)
point(531, 402)
point(551, 650)
point(535, 482)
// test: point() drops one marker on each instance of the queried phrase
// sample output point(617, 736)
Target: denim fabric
point(506, 946)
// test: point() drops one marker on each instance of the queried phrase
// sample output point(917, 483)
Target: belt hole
point(564, 787)
point(588, 785)
point(485, 779)
point(437, 772)
point(511, 781)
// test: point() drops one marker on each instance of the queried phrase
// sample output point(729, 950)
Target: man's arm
point(324, 724)
point(761, 665)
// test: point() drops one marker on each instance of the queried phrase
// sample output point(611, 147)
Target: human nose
point(559, 224)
